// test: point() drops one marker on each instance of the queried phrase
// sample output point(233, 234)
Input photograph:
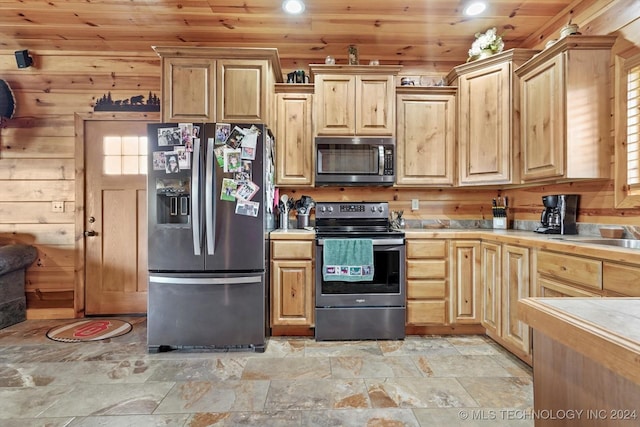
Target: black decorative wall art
point(135, 103)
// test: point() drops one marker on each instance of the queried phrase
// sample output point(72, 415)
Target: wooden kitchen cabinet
point(292, 290)
point(620, 279)
point(294, 135)
point(426, 136)
point(505, 280)
point(563, 275)
point(554, 289)
point(206, 84)
point(491, 264)
point(426, 282)
point(188, 89)
point(354, 100)
point(244, 91)
point(566, 110)
point(465, 281)
point(488, 118)
point(516, 285)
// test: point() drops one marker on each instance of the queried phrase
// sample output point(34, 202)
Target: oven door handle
point(376, 242)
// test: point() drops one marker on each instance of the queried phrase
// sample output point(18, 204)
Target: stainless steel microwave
point(355, 161)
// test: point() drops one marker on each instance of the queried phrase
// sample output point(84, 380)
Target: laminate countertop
point(606, 330)
point(292, 234)
point(565, 244)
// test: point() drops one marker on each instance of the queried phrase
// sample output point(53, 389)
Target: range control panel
point(362, 210)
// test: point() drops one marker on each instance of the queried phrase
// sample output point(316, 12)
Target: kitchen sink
point(622, 243)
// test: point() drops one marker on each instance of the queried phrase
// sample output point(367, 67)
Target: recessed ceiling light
point(475, 8)
point(293, 6)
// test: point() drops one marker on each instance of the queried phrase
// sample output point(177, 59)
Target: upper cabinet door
point(489, 119)
point(188, 90)
point(543, 124)
point(566, 110)
point(375, 105)
point(426, 137)
point(335, 107)
point(484, 126)
point(294, 139)
point(242, 96)
point(354, 100)
point(215, 84)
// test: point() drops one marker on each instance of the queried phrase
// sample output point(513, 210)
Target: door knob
point(90, 233)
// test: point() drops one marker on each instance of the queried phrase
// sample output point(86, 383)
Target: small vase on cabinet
point(485, 53)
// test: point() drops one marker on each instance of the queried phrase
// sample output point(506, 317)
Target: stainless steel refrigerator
point(210, 197)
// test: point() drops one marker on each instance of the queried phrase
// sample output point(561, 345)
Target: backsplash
point(584, 229)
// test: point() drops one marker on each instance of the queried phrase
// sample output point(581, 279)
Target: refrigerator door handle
point(210, 209)
point(196, 226)
point(204, 280)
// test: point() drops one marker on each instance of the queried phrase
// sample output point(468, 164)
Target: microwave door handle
point(380, 160)
point(196, 226)
point(210, 209)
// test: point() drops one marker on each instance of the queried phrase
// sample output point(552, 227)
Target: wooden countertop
point(606, 330)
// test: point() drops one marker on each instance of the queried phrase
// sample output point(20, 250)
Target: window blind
point(633, 127)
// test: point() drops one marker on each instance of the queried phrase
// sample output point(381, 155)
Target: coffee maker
point(559, 214)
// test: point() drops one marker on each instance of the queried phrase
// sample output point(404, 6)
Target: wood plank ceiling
point(427, 33)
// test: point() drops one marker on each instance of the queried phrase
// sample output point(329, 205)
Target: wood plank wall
point(37, 162)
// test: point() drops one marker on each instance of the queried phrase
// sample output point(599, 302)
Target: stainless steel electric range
point(367, 309)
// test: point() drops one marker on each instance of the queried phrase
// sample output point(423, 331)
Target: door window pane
point(125, 155)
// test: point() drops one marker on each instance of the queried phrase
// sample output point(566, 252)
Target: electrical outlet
point(415, 204)
point(57, 206)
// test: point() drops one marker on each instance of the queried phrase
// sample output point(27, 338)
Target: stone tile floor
point(421, 381)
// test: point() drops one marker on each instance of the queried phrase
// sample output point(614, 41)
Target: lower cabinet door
point(426, 312)
point(292, 292)
point(515, 285)
point(465, 281)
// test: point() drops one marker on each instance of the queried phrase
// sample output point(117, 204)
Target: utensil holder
point(284, 220)
point(303, 220)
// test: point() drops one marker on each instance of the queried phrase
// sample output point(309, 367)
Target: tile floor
point(421, 381)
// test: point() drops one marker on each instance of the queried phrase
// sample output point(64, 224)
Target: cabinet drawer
point(291, 249)
point(549, 288)
point(623, 279)
point(426, 248)
point(426, 312)
point(434, 289)
point(583, 271)
point(426, 269)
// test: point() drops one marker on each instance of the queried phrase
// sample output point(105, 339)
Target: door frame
point(79, 296)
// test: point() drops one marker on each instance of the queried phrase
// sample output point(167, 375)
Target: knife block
point(500, 223)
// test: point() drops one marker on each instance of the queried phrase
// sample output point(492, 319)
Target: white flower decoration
point(489, 40)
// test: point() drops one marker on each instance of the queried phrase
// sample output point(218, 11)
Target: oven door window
point(386, 277)
point(348, 159)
